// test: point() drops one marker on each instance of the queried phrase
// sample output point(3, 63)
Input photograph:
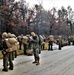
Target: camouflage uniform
point(35, 48)
point(60, 42)
point(69, 40)
point(43, 42)
point(51, 40)
point(25, 44)
point(20, 41)
point(7, 56)
point(14, 46)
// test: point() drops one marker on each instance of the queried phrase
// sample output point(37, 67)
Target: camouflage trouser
point(36, 52)
point(15, 53)
point(36, 56)
point(10, 60)
point(50, 47)
point(5, 61)
point(25, 48)
point(59, 46)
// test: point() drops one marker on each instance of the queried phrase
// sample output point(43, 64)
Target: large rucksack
point(40, 39)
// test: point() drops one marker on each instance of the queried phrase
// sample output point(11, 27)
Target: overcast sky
point(52, 3)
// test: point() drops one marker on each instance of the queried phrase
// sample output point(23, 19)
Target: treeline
point(18, 18)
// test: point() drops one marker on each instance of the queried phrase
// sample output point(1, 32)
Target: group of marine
point(32, 44)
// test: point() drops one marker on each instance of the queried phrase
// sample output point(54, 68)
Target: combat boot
point(37, 63)
point(6, 70)
point(10, 68)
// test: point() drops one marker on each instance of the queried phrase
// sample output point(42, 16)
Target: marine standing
point(7, 53)
point(35, 48)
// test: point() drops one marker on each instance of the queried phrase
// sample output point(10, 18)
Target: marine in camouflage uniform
point(51, 40)
point(7, 55)
point(20, 41)
point(14, 47)
point(35, 48)
point(60, 42)
point(69, 40)
point(25, 44)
